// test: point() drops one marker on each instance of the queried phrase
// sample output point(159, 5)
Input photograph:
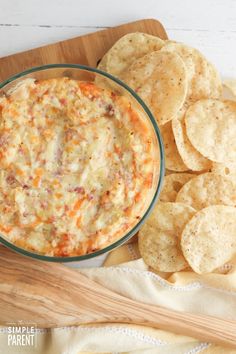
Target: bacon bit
point(1, 155)
point(79, 190)
point(25, 186)
point(66, 207)
point(4, 138)
point(21, 150)
point(110, 110)
point(113, 96)
point(90, 196)
point(11, 179)
point(63, 101)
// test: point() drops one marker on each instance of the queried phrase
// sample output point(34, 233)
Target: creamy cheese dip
point(77, 166)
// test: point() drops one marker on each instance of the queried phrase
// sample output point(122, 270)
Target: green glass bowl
point(81, 72)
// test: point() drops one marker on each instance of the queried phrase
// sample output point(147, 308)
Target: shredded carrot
point(88, 88)
point(38, 171)
point(76, 142)
point(49, 122)
point(78, 222)
point(71, 213)
point(19, 172)
point(117, 149)
point(36, 181)
point(147, 160)
point(148, 145)
point(48, 133)
point(5, 229)
point(148, 180)
point(69, 148)
point(79, 203)
point(137, 197)
point(34, 139)
point(134, 118)
point(56, 182)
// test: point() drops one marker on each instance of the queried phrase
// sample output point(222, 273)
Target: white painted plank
point(17, 39)
point(175, 14)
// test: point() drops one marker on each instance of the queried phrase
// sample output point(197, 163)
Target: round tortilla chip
point(208, 189)
point(204, 80)
point(231, 86)
point(159, 238)
point(208, 240)
point(160, 79)
point(172, 185)
point(221, 169)
point(127, 49)
point(211, 128)
point(190, 156)
point(102, 81)
point(173, 160)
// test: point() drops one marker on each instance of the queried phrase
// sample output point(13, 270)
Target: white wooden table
point(209, 25)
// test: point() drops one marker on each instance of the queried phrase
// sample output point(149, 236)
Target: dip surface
point(76, 166)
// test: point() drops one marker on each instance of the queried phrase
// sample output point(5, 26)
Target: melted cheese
point(76, 167)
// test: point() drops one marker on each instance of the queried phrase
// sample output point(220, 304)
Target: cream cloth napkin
point(213, 294)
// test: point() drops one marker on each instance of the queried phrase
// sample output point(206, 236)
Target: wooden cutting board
point(87, 49)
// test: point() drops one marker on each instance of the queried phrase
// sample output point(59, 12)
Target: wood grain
point(52, 295)
point(85, 50)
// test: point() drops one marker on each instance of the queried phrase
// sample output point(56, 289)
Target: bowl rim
point(135, 229)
